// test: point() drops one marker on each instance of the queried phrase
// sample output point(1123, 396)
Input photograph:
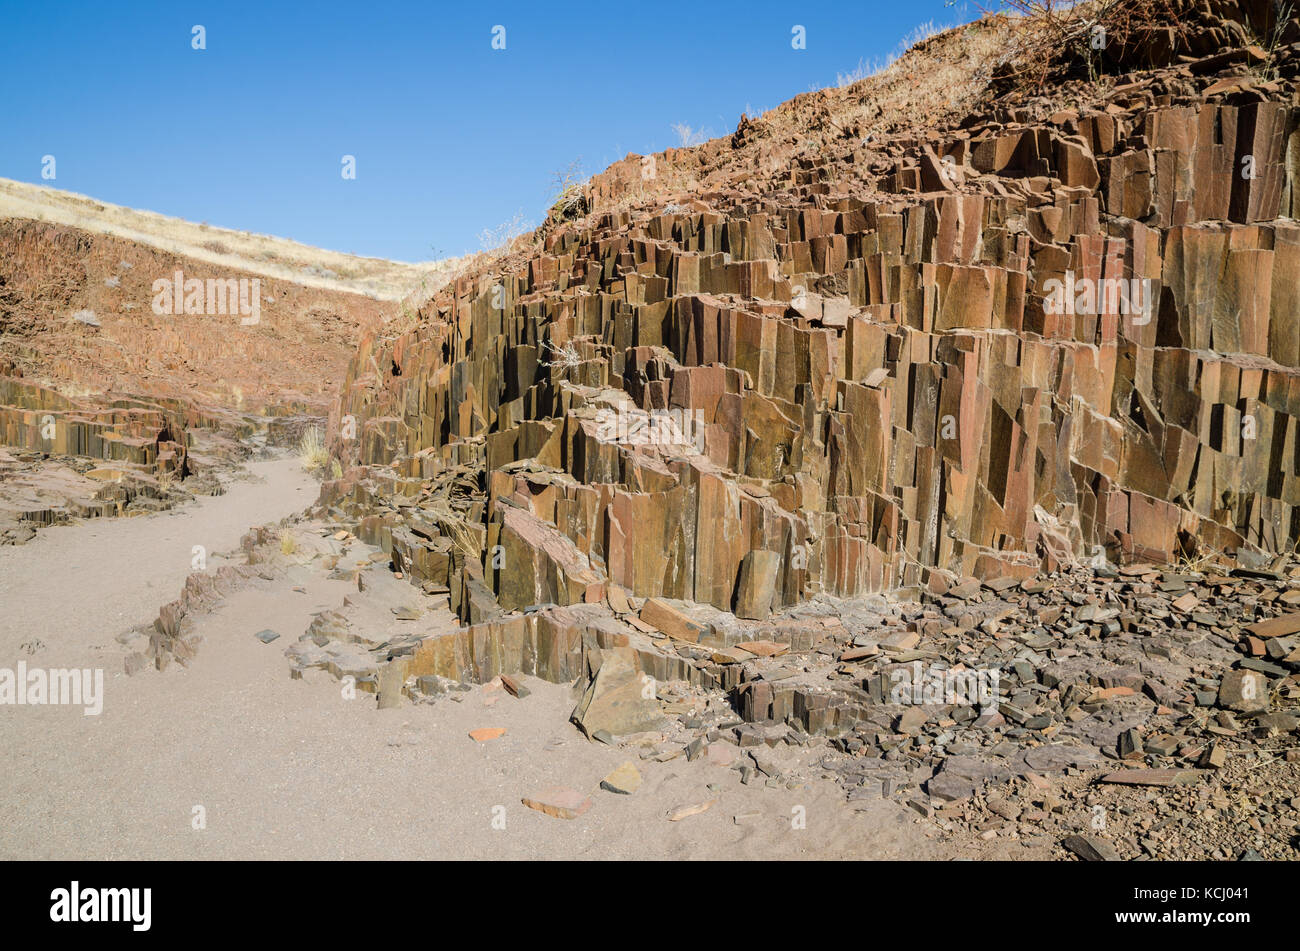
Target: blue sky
point(450, 136)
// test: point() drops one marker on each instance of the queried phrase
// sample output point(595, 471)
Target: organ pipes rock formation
point(887, 389)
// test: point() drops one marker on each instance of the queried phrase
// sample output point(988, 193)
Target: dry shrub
point(312, 451)
point(1059, 38)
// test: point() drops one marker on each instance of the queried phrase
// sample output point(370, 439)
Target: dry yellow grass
point(937, 79)
point(255, 253)
point(312, 451)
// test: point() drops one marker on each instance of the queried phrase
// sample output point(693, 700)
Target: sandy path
point(76, 587)
point(292, 769)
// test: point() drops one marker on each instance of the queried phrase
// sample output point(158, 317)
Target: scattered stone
point(1245, 691)
point(1151, 777)
point(514, 687)
point(1090, 848)
point(682, 812)
point(559, 802)
point(625, 780)
point(618, 700)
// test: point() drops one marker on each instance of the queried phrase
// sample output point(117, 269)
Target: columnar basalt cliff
point(1065, 325)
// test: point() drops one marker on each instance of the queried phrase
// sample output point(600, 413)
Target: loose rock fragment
point(559, 802)
point(625, 780)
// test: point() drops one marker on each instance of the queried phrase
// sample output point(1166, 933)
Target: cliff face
point(109, 404)
point(835, 353)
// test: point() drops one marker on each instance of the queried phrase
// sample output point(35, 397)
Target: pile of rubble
point(1144, 699)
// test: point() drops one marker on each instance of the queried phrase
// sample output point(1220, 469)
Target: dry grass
point(570, 198)
point(1268, 71)
point(454, 526)
point(688, 136)
point(493, 240)
point(565, 356)
point(311, 450)
point(865, 70)
point(1053, 34)
point(288, 544)
point(241, 250)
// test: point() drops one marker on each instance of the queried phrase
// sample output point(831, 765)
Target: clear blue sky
point(450, 136)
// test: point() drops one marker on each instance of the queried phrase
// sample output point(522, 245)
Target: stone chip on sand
point(625, 780)
point(694, 809)
point(561, 802)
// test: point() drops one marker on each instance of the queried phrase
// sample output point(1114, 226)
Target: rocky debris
point(1092, 681)
point(267, 636)
point(483, 734)
point(390, 684)
point(170, 637)
point(692, 809)
point(1109, 686)
point(1090, 848)
point(620, 699)
point(625, 780)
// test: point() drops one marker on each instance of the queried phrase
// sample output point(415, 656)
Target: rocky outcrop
point(109, 408)
point(1049, 333)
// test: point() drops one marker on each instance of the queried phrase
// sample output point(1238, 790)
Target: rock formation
point(1059, 327)
point(109, 408)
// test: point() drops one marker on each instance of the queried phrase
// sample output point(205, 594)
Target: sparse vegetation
point(566, 356)
point(570, 199)
point(688, 136)
point(1057, 34)
point(1267, 71)
point(865, 70)
point(259, 254)
point(862, 71)
point(502, 237)
point(453, 525)
point(312, 451)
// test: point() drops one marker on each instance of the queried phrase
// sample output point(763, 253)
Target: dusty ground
point(291, 769)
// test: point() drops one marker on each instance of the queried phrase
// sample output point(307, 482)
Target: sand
point(277, 768)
